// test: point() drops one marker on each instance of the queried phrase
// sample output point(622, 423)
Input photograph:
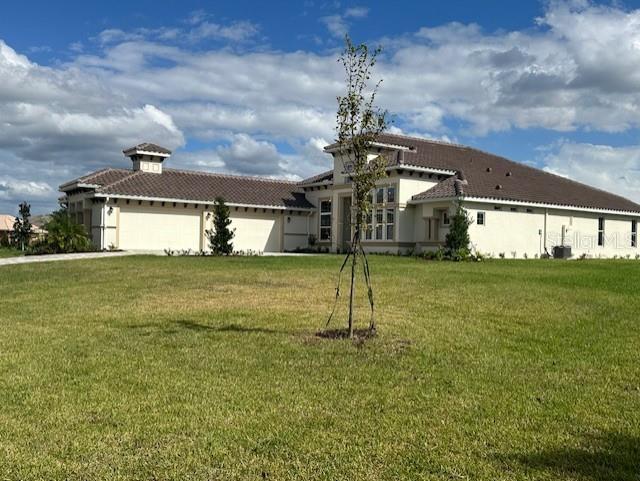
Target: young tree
point(220, 236)
point(22, 228)
point(359, 122)
point(457, 239)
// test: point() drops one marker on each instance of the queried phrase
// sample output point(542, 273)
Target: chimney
point(147, 157)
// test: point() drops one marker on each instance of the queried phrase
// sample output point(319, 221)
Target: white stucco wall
point(528, 233)
point(512, 233)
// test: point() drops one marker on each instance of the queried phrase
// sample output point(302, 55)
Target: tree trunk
point(352, 293)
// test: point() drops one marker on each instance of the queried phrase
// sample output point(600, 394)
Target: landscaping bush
point(63, 236)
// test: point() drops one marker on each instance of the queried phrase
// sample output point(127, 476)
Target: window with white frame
point(379, 224)
point(391, 194)
point(601, 231)
point(391, 214)
point(480, 218)
point(368, 227)
point(325, 220)
point(634, 233)
point(445, 218)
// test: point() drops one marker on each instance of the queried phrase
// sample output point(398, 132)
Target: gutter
point(490, 200)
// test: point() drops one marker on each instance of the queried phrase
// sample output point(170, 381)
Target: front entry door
point(346, 223)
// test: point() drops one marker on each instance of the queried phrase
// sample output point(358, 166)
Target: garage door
point(156, 229)
point(256, 232)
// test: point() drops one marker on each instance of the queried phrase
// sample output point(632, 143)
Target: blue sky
point(249, 87)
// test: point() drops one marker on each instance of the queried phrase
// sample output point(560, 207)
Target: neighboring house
point(6, 229)
point(517, 210)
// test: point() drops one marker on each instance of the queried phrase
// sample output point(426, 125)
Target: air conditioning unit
point(561, 252)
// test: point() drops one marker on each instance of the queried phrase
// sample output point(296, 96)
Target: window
point(634, 233)
point(390, 223)
point(514, 209)
point(601, 231)
point(445, 218)
point(325, 220)
point(391, 194)
point(530, 211)
point(368, 228)
point(379, 216)
point(497, 207)
point(480, 218)
point(380, 195)
point(378, 231)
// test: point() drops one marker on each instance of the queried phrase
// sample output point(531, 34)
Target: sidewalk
point(9, 261)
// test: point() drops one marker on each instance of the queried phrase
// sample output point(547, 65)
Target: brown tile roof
point(199, 186)
point(149, 147)
point(322, 177)
point(102, 177)
point(492, 176)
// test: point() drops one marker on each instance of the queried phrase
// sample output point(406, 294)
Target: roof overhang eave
point(334, 148)
point(544, 205)
point(200, 202)
point(77, 185)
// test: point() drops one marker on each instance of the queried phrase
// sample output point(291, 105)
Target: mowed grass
point(9, 252)
point(208, 368)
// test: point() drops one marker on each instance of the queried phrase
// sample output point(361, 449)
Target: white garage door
point(156, 229)
point(256, 232)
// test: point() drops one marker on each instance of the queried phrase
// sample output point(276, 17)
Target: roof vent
point(498, 187)
point(147, 157)
point(508, 174)
point(488, 169)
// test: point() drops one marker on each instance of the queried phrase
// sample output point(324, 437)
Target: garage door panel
point(256, 233)
point(159, 229)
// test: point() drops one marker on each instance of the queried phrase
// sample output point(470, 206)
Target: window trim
point(388, 224)
point(377, 230)
point(601, 231)
point(329, 214)
point(484, 217)
point(395, 192)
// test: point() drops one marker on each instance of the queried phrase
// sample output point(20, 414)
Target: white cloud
point(11, 188)
point(615, 169)
point(356, 12)
point(579, 68)
point(338, 25)
point(237, 31)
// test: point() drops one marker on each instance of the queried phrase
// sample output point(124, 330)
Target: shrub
point(221, 235)
point(457, 239)
point(63, 236)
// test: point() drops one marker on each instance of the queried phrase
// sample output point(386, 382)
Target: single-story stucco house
point(517, 210)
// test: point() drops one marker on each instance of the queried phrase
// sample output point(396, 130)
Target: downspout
point(546, 214)
point(103, 224)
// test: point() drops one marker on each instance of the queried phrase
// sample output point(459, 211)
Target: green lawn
point(9, 252)
point(206, 368)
